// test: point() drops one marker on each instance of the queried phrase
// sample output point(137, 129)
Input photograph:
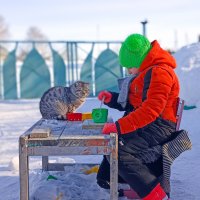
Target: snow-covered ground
point(17, 116)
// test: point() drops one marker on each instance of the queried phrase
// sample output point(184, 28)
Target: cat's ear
point(77, 83)
point(87, 84)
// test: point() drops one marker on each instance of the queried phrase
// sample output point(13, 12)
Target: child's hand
point(109, 128)
point(107, 95)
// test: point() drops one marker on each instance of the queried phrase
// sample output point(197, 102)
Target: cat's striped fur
point(58, 100)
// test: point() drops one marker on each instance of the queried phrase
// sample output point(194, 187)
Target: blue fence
point(28, 68)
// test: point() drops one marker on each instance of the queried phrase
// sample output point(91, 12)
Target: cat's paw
point(61, 117)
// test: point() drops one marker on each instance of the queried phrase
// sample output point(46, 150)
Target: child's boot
point(156, 194)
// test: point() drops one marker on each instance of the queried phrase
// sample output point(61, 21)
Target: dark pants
point(133, 170)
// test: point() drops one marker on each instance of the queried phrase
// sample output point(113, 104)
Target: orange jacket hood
point(157, 56)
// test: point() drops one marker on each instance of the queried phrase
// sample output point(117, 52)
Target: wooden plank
point(114, 166)
point(23, 169)
point(179, 113)
point(45, 162)
point(40, 133)
point(61, 166)
point(38, 123)
point(70, 141)
point(56, 126)
point(89, 124)
point(63, 151)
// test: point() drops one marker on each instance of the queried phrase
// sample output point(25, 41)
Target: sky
point(174, 23)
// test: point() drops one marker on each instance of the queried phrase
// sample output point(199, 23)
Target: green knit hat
point(134, 50)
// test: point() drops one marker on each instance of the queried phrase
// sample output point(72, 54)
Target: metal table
point(65, 138)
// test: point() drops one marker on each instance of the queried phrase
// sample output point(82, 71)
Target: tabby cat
point(58, 100)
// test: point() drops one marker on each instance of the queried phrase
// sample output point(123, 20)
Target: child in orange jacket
point(149, 98)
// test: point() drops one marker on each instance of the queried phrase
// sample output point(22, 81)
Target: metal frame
point(66, 145)
point(179, 113)
point(73, 58)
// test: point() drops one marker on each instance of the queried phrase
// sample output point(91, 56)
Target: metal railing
point(28, 68)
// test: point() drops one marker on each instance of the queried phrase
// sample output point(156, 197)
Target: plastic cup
point(100, 115)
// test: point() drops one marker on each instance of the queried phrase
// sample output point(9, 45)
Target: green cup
point(100, 115)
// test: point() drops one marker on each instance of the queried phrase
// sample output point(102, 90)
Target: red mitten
point(106, 95)
point(109, 128)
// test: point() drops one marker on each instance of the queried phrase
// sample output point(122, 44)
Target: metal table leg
point(45, 161)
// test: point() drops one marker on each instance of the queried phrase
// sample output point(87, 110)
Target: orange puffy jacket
point(161, 95)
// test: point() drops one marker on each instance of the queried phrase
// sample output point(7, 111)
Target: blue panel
point(59, 69)
point(107, 71)
point(86, 70)
point(34, 76)
point(9, 76)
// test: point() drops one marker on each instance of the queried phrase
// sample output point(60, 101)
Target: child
point(149, 98)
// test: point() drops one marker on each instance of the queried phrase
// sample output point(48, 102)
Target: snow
point(16, 116)
point(188, 61)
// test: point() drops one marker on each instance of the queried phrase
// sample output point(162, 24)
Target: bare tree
point(35, 34)
point(4, 32)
